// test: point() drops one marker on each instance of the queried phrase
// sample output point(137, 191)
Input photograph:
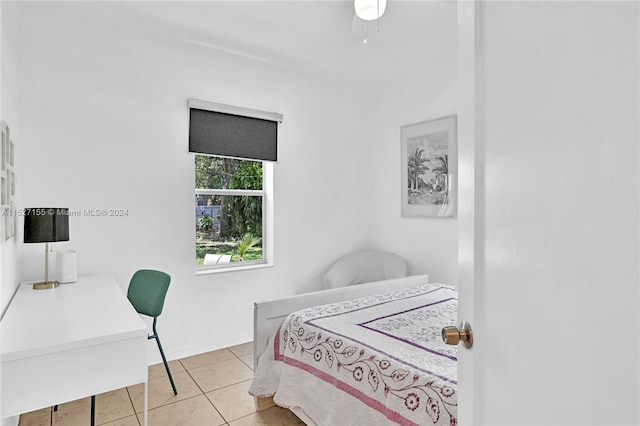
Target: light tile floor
point(212, 391)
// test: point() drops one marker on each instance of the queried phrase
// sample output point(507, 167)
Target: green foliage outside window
point(205, 223)
point(239, 215)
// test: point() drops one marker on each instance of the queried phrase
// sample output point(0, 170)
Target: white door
point(549, 215)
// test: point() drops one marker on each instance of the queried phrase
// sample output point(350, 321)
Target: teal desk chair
point(146, 293)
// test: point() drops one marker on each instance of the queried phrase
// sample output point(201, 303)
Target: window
point(234, 149)
point(229, 211)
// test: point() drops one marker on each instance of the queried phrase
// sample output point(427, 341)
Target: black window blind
point(231, 135)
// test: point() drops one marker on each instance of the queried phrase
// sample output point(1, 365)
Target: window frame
point(267, 221)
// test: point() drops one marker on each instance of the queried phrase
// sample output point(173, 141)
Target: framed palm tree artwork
point(430, 168)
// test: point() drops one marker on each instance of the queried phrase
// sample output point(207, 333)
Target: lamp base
point(45, 285)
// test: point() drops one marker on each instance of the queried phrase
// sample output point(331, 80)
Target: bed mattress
point(373, 360)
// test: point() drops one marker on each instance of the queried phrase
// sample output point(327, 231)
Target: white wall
point(429, 244)
point(9, 113)
point(104, 123)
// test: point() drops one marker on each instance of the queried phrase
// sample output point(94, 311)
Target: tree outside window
point(229, 218)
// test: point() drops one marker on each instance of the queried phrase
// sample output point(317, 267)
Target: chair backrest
point(147, 291)
point(364, 267)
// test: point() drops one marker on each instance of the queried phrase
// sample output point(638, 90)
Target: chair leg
point(164, 359)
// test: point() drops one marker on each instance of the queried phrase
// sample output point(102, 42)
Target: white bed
point(269, 315)
point(394, 369)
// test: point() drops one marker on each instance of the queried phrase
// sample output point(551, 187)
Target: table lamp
point(46, 225)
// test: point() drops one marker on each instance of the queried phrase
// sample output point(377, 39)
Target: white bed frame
point(268, 316)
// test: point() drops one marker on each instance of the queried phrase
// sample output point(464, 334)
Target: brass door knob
point(452, 335)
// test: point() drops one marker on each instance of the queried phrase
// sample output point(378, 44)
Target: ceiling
point(415, 38)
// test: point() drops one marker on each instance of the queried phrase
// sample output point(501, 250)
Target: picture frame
point(5, 141)
point(12, 218)
point(7, 225)
point(4, 196)
point(11, 154)
point(7, 199)
point(7, 183)
point(429, 153)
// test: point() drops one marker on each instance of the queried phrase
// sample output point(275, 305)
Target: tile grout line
point(204, 394)
point(223, 387)
point(201, 391)
point(97, 402)
point(131, 402)
point(162, 405)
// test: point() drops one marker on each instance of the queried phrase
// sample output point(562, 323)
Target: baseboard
point(154, 357)
point(10, 421)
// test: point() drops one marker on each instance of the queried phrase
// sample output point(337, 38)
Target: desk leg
point(146, 401)
point(93, 410)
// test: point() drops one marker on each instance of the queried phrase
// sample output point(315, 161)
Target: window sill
point(203, 270)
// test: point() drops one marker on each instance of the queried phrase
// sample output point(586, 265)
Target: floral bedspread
point(385, 351)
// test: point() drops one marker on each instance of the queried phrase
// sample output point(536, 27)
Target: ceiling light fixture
point(369, 10)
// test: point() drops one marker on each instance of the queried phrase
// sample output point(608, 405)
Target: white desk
point(63, 344)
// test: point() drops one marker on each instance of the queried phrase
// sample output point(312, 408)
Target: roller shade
point(229, 131)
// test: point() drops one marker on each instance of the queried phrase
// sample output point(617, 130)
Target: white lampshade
point(369, 10)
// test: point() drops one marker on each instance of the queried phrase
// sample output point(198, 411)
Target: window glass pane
point(227, 173)
point(228, 229)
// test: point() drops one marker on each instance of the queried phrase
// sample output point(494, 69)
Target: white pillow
point(363, 267)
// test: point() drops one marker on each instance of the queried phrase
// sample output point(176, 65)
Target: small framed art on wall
point(430, 168)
